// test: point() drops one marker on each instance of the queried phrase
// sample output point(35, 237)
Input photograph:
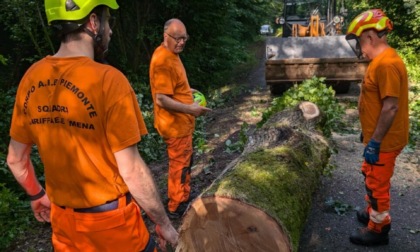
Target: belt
point(108, 206)
point(151, 245)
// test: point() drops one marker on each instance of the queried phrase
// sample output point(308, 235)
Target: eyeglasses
point(179, 39)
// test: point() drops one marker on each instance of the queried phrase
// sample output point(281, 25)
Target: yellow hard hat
point(73, 10)
point(371, 19)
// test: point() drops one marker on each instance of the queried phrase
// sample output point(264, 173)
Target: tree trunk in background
point(261, 200)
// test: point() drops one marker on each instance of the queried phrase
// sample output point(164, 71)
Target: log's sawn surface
point(261, 200)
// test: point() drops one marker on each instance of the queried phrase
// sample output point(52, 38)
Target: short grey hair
point(168, 23)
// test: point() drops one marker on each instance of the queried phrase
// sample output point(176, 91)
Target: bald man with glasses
point(174, 113)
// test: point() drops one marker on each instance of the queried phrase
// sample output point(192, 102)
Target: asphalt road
point(326, 230)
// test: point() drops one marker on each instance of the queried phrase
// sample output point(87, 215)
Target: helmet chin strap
point(100, 49)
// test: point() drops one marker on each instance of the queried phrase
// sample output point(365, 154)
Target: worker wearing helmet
point(84, 118)
point(383, 111)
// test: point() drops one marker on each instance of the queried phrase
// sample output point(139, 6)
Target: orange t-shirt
point(385, 76)
point(78, 112)
point(168, 76)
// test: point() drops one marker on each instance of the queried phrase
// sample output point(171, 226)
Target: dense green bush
point(412, 61)
point(7, 100)
point(6, 103)
point(15, 216)
point(415, 123)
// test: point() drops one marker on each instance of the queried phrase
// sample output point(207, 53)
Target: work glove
point(371, 152)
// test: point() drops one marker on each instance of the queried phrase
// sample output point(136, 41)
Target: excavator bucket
point(330, 47)
point(295, 59)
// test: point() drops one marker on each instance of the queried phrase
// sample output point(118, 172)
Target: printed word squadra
point(71, 97)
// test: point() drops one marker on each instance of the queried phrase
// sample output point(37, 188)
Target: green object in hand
point(200, 98)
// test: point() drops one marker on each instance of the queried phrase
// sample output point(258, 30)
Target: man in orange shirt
point(85, 120)
point(383, 111)
point(174, 112)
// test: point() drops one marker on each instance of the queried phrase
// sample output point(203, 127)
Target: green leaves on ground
point(240, 144)
point(339, 207)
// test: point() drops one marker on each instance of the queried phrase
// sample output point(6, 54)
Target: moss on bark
point(278, 172)
point(279, 181)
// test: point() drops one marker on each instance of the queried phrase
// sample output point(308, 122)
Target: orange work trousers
point(180, 152)
point(378, 180)
point(120, 230)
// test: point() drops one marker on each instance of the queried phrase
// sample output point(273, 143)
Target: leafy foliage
point(199, 136)
point(214, 48)
point(219, 30)
point(14, 216)
point(313, 90)
point(24, 24)
point(240, 144)
point(412, 61)
point(405, 15)
point(6, 102)
point(415, 123)
point(151, 146)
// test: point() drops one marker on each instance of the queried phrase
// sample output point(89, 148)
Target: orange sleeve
point(389, 81)
point(163, 79)
point(124, 120)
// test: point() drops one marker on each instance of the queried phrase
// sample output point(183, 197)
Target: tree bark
point(261, 200)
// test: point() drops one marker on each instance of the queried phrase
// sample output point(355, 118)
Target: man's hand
point(172, 105)
point(42, 208)
point(168, 238)
point(371, 152)
point(197, 110)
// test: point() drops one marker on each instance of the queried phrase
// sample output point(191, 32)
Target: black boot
point(363, 216)
point(367, 237)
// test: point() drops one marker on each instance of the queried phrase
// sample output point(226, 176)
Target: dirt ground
point(325, 230)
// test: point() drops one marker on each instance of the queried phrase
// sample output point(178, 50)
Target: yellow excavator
point(312, 43)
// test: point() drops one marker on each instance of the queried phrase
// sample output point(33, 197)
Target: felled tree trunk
point(261, 200)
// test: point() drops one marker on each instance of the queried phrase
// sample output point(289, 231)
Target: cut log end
point(223, 224)
point(310, 110)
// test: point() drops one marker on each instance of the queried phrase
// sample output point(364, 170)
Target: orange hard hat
point(371, 19)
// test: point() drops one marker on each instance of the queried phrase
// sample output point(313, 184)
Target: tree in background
point(24, 38)
point(219, 31)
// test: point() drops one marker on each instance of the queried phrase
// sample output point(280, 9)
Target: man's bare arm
point(19, 162)
point(140, 182)
point(172, 105)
